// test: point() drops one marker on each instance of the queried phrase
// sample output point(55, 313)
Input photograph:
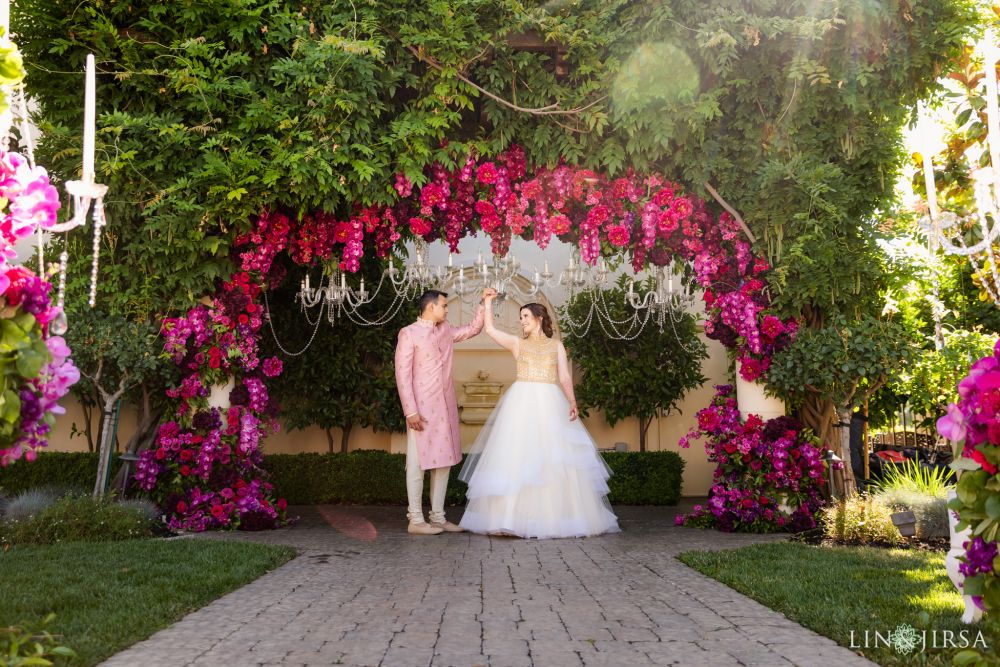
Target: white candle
point(362, 284)
point(449, 261)
point(89, 116)
point(670, 282)
point(461, 273)
point(307, 282)
point(546, 266)
point(343, 281)
point(538, 279)
point(631, 288)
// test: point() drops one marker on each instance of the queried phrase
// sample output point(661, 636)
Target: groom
point(423, 378)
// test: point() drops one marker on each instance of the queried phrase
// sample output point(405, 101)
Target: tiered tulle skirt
point(534, 473)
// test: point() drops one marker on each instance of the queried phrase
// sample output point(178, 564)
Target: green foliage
point(931, 378)
point(212, 111)
point(22, 645)
point(77, 518)
point(847, 361)
point(650, 373)
point(69, 469)
point(22, 355)
point(978, 504)
point(860, 520)
point(374, 477)
point(913, 477)
point(115, 352)
point(345, 378)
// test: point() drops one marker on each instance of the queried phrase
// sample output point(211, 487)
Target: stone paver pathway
point(364, 592)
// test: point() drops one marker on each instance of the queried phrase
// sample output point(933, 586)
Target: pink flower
point(618, 236)
point(487, 173)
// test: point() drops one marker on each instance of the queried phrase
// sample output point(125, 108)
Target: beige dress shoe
point(448, 527)
point(423, 528)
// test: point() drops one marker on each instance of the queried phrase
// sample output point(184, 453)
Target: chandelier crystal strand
point(270, 323)
point(99, 223)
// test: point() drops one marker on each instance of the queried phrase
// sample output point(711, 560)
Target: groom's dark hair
point(429, 297)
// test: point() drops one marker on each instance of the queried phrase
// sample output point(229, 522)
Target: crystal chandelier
point(973, 236)
point(666, 301)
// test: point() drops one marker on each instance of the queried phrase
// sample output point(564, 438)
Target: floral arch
point(206, 467)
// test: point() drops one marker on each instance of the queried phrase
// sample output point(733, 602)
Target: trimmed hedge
point(66, 469)
point(367, 477)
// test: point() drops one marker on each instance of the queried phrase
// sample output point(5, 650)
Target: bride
point(534, 471)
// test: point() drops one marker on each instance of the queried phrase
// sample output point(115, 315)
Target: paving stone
point(461, 600)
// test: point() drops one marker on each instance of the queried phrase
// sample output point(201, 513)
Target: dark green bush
point(78, 518)
point(369, 477)
point(375, 477)
point(68, 469)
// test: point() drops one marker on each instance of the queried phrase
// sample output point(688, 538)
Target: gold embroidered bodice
point(537, 360)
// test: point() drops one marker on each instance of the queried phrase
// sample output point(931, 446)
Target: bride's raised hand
point(573, 412)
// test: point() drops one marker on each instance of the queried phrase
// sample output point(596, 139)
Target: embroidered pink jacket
point(424, 380)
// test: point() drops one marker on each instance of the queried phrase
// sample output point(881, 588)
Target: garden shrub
point(69, 469)
point(376, 477)
point(77, 518)
point(860, 520)
point(931, 511)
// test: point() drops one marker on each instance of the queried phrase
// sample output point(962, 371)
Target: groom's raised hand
point(489, 293)
point(416, 422)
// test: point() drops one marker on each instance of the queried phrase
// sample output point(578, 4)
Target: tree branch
point(549, 110)
point(732, 211)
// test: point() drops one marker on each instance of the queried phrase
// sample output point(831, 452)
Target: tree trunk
point(644, 423)
point(345, 436)
point(844, 428)
point(329, 440)
point(819, 414)
point(107, 438)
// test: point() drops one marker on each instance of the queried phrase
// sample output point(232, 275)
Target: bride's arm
point(566, 380)
point(503, 339)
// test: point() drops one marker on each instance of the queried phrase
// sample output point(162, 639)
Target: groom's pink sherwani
point(424, 381)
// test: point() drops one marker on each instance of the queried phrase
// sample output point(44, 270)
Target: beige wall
point(472, 357)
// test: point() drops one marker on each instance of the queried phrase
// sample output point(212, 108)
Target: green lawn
point(110, 595)
point(833, 590)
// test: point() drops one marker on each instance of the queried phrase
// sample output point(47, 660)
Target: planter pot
point(751, 399)
point(972, 612)
point(219, 396)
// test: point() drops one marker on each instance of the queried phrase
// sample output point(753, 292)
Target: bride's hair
point(542, 313)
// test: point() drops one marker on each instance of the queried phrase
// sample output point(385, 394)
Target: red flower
point(160, 454)
point(980, 458)
point(218, 511)
point(185, 471)
point(186, 455)
point(182, 507)
point(252, 308)
point(487, 173)
point(243, 319)
point(281, 504)
point(214, 362)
